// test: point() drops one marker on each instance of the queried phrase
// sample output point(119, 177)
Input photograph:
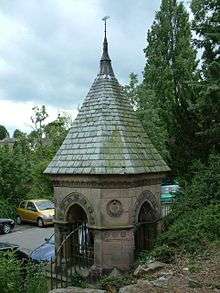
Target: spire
point(105, 62)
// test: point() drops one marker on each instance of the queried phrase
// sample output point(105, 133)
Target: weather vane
point(104, 19)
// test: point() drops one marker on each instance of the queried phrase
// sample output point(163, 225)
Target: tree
point(14, 174)
point(142, 101)
point(38, 119)
point(3, 132)
point(44, 147)
point(206, 25)
point(17, 133)
point(169, 77)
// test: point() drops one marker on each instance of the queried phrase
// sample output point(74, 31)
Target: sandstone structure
point(108, 174)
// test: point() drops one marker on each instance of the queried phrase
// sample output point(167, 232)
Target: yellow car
point(40, 211)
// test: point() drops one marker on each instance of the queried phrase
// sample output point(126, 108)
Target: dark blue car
point(45, 252)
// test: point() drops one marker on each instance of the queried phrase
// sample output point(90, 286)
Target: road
point(27, 237)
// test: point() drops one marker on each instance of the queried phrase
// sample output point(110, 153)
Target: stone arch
point(146, 197)
point(75, 213)
point(80, 200)
point(145, 218)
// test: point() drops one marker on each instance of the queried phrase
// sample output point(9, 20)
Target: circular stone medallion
point(114, 208)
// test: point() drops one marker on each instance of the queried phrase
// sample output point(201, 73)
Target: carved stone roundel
point(114, 208)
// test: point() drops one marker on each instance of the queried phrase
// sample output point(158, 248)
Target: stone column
point(62, 229)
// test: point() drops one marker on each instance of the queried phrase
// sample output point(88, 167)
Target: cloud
point(50, 49)
point(19, 113)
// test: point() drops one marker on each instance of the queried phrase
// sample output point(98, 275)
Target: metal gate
point(146, 228)
point(74, 255)
point(145, 235)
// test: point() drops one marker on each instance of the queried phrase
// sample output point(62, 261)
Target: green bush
point(201, 191)
point(109, 282)
point(194, 221)
point(78, 281)
point(10, 274)
point(7, 210)
point(194, 230)
point(35, 280)
point(144, 257)
point(19, 277)
point(163, 253)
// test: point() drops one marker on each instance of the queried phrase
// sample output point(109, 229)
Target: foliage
point(41, 184)
point(201, 191)
point(169, 76)
point(10, 274)
point(193, 231)
point(22, 166)
point(19, 277)
point(162, 253)
point(35, 281)
point(108, 282)
point(3, 132)
point(38, 119)
point(18, 134)
point(78, 281)
point(194, 221)
point(143, 102)
point(14, 174)
point(206, 25)
point(7, 210)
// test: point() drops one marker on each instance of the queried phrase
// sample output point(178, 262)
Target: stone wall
point(112, 205)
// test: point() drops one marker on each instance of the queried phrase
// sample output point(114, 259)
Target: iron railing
point(75, 255)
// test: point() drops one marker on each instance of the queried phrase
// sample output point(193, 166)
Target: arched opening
point(146, 227)
point(80, 244)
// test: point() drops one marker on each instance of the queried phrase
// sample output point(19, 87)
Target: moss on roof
point(106, 136)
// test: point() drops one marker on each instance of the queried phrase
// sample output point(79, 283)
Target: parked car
point(6, 225)
point(39, 211)
point(45, 252)
point(167, 197)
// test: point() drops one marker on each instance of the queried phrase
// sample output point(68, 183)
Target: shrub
point(144, 257)
point(194, 220)
point(163, 253)
point(193, 231)
point(10, 274)
point(109, 282)
point(7, 210)
point(201, 191)
point(78, 281)
point(35, 280)
point(19, 277)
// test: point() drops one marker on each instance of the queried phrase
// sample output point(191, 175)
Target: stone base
point(114, 249)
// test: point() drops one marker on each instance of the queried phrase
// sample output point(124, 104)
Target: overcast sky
point(50, 51)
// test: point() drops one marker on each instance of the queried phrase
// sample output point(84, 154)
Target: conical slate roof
point(106, 136)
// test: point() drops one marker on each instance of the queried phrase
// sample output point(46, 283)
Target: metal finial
point(104, 19)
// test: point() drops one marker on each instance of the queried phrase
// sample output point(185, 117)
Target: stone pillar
point(114, 248)
point(62, 229)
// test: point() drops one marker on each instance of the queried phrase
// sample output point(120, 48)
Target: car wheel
point(6, 228)
point(40, 222)
point(18, 220)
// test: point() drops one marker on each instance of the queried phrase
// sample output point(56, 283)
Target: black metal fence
point(145, 235)
point(74, 256)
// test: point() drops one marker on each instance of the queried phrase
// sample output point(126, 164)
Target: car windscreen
point(44, 205)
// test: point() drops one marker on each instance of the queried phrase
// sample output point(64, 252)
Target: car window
point(31, 206)
point(22, 204)
point(45, 205)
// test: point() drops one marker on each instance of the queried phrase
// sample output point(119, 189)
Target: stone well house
point(108, 174)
